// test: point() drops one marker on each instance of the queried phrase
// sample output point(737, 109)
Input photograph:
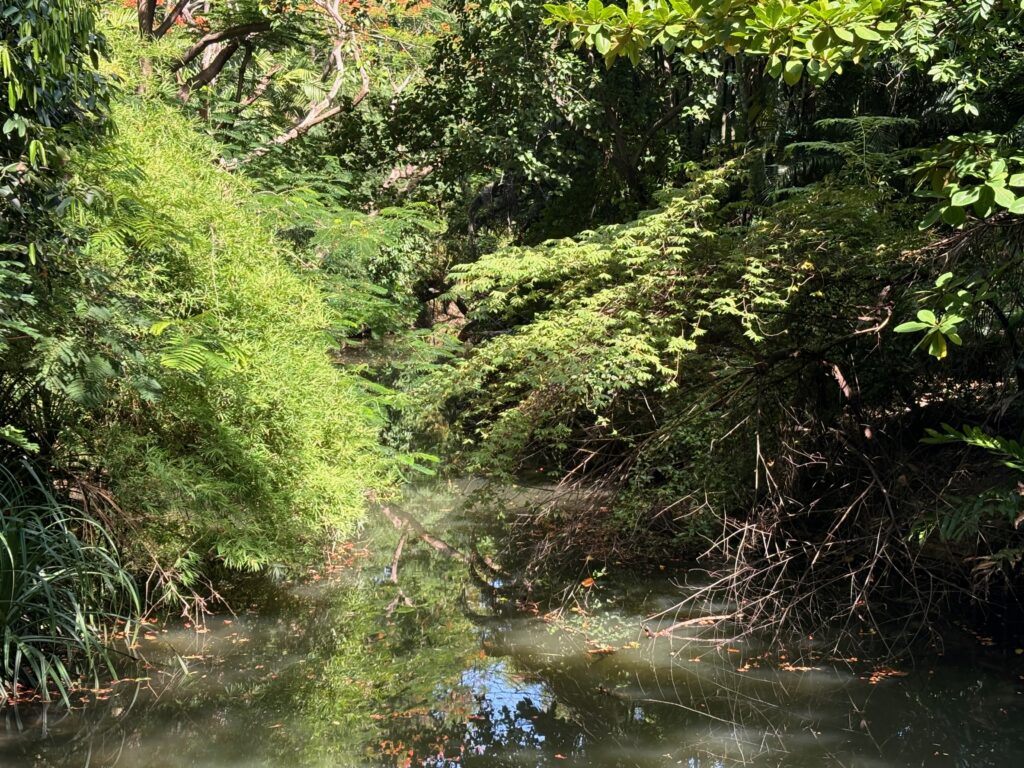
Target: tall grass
point(61, 588)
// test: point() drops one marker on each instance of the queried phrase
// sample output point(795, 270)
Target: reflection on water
point(337, 672)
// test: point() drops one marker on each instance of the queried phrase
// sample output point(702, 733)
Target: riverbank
point(331, 670)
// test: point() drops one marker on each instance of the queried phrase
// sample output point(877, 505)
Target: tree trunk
point(209, 74)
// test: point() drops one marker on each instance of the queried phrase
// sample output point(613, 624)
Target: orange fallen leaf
point(587, 582)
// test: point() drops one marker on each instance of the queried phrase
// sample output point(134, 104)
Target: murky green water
point(338, 672)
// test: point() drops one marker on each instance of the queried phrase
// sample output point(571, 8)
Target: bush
point(257, 443)
point(61, 585)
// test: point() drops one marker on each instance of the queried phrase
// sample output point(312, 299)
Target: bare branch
point(404, 522)
point(261, 86)
point(324, 109)
point(409, 173)
point(243, 70)
point(169, 19)
point(396, 558)
point(209, 74)
point(231, 33)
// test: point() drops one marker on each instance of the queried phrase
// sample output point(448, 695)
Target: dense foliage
point(752, 366)
point(255, 438)
point(170, 357)
point(751, 268)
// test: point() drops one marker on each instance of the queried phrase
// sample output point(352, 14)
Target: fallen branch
point(393, 574)
point(700, 621)
point(402, 598)
point(402, 521)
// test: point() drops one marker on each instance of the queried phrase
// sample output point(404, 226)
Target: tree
point(745, 327)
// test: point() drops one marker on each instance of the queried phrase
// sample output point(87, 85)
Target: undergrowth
point(62, 587)
point(257, 442)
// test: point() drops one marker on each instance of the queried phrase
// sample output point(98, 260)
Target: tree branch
point(395, 558)
point(231, 33)
point(169, 19)
point(243, 70)
point(261, 86)
point(404, 522)
point(207, 76)
point(147, 12)
point(320, 112)
point(663, 121)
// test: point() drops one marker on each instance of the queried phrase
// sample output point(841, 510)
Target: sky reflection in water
point(319, 675)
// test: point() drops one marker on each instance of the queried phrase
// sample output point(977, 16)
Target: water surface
point(342, 669)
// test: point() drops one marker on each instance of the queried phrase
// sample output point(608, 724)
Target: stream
point(340, 669)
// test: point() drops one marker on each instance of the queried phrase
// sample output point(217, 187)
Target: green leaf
point(931, 218)
point(911, 327)
point(927, 316)
point(965, 196)
point(997, 171)
point(937, 346)
point(844, 34)
point(953, 215)
point(819, 42)
point(1003, 196)
point(793, 71)
point(867, 34)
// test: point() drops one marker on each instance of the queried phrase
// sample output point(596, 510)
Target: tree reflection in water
point(335, 672)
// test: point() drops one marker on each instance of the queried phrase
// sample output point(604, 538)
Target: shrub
point(257, 443)
point(61, 585)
